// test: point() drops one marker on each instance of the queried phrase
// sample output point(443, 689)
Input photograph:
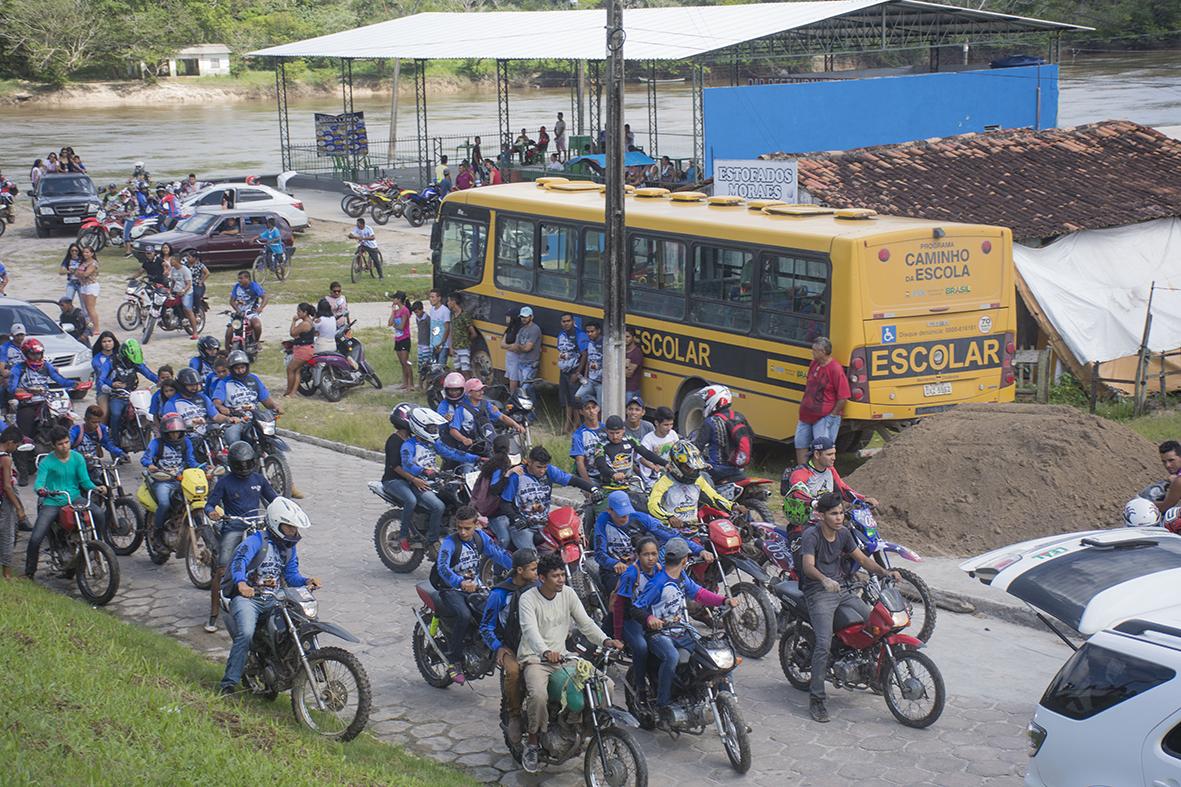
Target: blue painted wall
point(745, 122)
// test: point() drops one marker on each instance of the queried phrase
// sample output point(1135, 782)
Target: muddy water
point(243, 136)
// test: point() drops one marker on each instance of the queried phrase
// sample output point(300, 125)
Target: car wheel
point(42, 232)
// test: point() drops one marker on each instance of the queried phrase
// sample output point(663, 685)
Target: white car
point(1112, 714)
point(249, 196)
point(69, 356)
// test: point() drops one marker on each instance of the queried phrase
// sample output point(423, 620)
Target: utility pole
point(615, 297)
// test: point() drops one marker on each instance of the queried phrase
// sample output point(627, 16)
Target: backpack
point(512, 625)
point(482, 498)
point(437, 581)
point(739, 438)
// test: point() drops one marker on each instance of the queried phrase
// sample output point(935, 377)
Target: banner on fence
point(756, 179)
point(341, 135)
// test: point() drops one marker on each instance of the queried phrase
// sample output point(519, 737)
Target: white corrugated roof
point(673, 33)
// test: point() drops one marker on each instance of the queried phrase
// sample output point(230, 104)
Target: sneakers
point(225, 691)
point(818, 711)
point(455, 672)
point(530, 759)
point(211, 626)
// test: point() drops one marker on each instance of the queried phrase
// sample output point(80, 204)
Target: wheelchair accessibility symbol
point(889, 334)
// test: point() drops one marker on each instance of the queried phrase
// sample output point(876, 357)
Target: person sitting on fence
point(522, 145)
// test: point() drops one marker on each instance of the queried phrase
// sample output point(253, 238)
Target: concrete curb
point(332, 445)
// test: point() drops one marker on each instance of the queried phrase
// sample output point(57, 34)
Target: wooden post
point(1044, 363)
point(1094, 385)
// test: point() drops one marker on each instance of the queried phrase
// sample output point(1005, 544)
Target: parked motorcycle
point(868, 652)
point(241, 336)
point(422, 205)
point(332, 373)
point(429, 639)
point(586, 720)
point(105, 228)
point(452, 488)
point(187, 533)
point(702, 690)
point(167, 310)
point(125, 515)
point(330, 693)
point(361, 198)
point(74, 547)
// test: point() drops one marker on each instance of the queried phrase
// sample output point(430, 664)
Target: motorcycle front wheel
point(415, 215)
point(430, 666)
point(98, 578)
point(735, 738)
point(913, 689)
point(277, 471)
point(340, 682)
point(614, 758)
point(128, 315)
point(125, 531)
point(372, 377)
point(90, 238)
point(752, 624)
point(199, 558)
point(149, 326)
point(387, 540)
point(380, 214)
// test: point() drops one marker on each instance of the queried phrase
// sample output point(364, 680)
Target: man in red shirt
point(824, 400)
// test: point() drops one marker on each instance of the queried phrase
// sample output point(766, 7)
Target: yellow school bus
point(921, 314)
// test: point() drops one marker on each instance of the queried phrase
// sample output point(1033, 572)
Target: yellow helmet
point(685, 462)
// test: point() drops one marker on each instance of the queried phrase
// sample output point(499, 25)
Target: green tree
point(54, 38)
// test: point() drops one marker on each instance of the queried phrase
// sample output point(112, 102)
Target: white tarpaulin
point(1093, 287)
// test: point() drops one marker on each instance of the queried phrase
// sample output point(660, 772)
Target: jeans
point(589, 387)
point(244, 615)
point(499, 527)
point(404, 494)
point(456, 617)
point(822, 609)
point(116, 407)
point(664, 647)
point(828, 426)
point(608, 579)
point(522, 538)
point(162, 492)
point(440, 354)
point(227, 543)
point(46, 515)
point(637, 644)
point(235, 432)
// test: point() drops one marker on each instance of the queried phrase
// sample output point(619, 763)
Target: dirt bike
point(187, 533)
point(587, 721)
point(751, 492)
point(75, 548)
point(241, 335)
point(125, 515)
point(137, 301)
point(167, 310)
point(361, 198)
point(330, 693)
point(422, 205)
point(703, 693)
point(868, 652)
point(429, 639)
point(105, 228)
point(452, 488)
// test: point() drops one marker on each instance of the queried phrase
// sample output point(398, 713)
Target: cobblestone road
point(994, 673)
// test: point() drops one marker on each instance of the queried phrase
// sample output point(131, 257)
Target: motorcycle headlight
point(268, 427)
point(45, 211)
point(901, 619)
point(236, 324)
point(310, 607)
point(721, 655)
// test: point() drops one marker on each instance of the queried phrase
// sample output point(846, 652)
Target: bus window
point(555, 275)
point(462, 249)
point(656, 276)
point(514, 254)
point(793, 298)
point(594, 246)
point(722, 288)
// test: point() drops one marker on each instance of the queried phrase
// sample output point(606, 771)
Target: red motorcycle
point(563, 534)
point(868, 651)
point(167, 310)
point(105, 228)
point(750, 492)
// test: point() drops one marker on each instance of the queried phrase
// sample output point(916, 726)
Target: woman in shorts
point(399, 323)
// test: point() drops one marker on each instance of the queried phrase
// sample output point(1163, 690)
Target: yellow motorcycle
point(187, 533)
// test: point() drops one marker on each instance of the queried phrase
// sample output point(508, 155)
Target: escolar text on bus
point(674, 348)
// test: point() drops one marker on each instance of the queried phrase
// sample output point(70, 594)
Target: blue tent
point(633, 158)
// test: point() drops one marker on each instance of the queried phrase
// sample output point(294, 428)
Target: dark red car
point(224, 238)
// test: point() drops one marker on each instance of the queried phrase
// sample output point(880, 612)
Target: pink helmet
point(453, 386)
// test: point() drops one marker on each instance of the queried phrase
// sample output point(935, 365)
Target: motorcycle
point(167, 310)
point(421, 205)
point(331, 373)
point(452, 488)
point(241, 335)
point(750, 492)
point(7, 214)
point(53, 408)
point(587, 720)
point(752, 625)
point(360, 198)
point(187, 533)
point(137, 430)
point(105, 228)
point(75, 548)
point(330, 693)
point(869, 652)
point(268, 446)
point(137, 301)
point(702, 691)
point(125, 515)
point(429, 639)
point(519, 407)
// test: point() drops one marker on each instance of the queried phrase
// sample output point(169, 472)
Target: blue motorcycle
point(422, 204)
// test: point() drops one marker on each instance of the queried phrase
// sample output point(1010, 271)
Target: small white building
point(200, 60)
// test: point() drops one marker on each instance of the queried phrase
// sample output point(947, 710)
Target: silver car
point(70, 357)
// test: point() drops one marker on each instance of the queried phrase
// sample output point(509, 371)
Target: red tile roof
point(1039, 183)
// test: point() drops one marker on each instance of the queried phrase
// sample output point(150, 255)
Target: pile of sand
point(983, 476)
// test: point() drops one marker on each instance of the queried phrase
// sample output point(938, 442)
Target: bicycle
point(269, 262)
point(362, 263)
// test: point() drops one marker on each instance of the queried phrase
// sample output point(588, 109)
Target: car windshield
point(56, 187)
point(36, 322)
point(198, 223)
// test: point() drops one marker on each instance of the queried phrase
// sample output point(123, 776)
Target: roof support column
point(281, 104)
point(502, 118)
point(424, 152)
point(579, 120)
point(699, 118)
point(350, 119)
point(653, 137)
point(595, 104)
point(615, 273)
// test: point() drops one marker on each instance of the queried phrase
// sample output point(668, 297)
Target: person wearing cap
point(663, 600)
point(473, 418)
point(825, 394)
point(10, 352)
point(616, 532)
point(521, 358)
point(526, 497)
point(802, 485)
point(585, 441)
point(445, 183)
point(634, 424)
point(500, 628)
point(618, 454)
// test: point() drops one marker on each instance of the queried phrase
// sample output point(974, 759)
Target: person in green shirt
point(462, 332)
point(63, 470)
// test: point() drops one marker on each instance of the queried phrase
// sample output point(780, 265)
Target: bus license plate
point(936, 389)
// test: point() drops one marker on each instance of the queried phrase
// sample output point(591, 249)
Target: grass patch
point(89, 699)
point(1158, 427)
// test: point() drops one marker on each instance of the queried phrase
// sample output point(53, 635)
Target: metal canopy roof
point(673, 33)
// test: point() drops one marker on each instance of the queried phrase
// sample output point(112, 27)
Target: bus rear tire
point(690, 412)
point(853, 440)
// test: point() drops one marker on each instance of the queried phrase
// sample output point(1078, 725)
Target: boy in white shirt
point(658, 441)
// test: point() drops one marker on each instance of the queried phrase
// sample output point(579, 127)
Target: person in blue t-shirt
point(272, 241)
point(195, 407)
point(202, 363)
point(615, 531)
point(247, 299)
point(166, 388)
point(91, 437)
point(170, 453)
point(502, 634)
point(473, 418)
point(526, 496)
point(626, 617)
point(585, 442)
point(572, 343)
point(422, 455)
point(239, 393)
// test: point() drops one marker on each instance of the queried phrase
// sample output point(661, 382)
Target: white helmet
point(426, 424)
point(715, 398)
point(283, 511)
point(1141, 513)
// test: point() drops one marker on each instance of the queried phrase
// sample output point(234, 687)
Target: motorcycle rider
point(120, 378)
point(141, 208)
point(473, 418)
point(239, 390)
point(63, 470)
point(526, 497)
point(626, 618)
point(247, 300)
point(500, 626)
point(664, 601)
point(801, 485)
point(422, 454)
point(585, 441)
point(90, 437)
point(616, 530)
point(546, 612)
point(452, 394)
point(171, 453)
point(192, 405)
point(258, 565)
point(208, 348)
point(823, 552)
point(32, 372)
point(11, 353)
point(168, 208)
point(616, 457)
point(675, 497)
point(237, 495)
point(456, 575)
point(714, 438)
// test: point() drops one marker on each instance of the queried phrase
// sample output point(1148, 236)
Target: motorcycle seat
point(427, 592)
point(683, 655)
point(376, 488)
point(790, 591)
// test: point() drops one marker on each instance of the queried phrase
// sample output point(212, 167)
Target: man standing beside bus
point(825, 395)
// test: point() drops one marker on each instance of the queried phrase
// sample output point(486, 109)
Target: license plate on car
point(936, 389)
point(72, 220)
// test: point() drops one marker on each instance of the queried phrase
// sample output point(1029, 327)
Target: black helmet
point(242, 458)
point(238, 358)
point(400, 415)
point(208, 345)
point(188, 380)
